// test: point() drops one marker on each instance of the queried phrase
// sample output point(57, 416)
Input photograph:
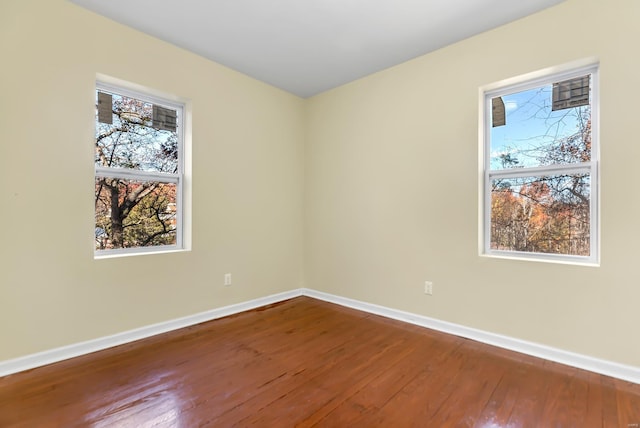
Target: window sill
point(542, 258)
point(112, 254)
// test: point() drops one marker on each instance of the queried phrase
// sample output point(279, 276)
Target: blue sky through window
point(531, 127)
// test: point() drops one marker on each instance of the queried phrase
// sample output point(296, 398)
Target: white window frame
point(519, 84)
point(178, 178)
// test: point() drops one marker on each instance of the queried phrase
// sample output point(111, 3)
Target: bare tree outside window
point(137, 184)
point(540, 171)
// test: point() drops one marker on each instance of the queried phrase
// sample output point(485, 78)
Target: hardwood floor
point(309, 363)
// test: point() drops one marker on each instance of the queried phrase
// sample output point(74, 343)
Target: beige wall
point(387, 166)
point(392, 188)
point(247, 183)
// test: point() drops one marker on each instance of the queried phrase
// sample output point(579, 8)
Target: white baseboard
point(63, 353)
point(608, 368)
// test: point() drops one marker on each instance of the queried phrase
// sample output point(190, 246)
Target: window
point(138, 172)
point(540, 163)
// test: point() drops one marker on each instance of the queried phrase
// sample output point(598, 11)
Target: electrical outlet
point(227, 279)
point(428, 288)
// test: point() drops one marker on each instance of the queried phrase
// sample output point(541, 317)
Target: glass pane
point(132, 214)
point(548, 214)
point(536, 135)
point(131, 141)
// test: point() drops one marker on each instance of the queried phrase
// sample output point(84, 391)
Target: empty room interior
point(336, 223)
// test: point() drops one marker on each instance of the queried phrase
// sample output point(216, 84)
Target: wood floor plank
point(384, 384)
point(424, 395)
point(628, 406)
point(354, 350)
point(523, 400)
point(360, 376)
point(309, 363)
point(564, 404)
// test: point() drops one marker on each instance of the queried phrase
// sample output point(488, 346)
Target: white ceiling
point(309, 46)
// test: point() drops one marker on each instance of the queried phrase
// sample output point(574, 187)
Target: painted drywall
point(246, 183)
point(391, 188)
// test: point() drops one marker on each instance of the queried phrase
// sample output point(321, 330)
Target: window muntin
point(138, 172)
point(540, 169)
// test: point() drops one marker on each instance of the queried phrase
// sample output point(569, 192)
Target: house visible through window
point(540, 168)
point(138, 172)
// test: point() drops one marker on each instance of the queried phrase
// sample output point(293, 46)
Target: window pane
point(132, 214)
point(131, 140)
point(536, 135)
point(548, 214)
